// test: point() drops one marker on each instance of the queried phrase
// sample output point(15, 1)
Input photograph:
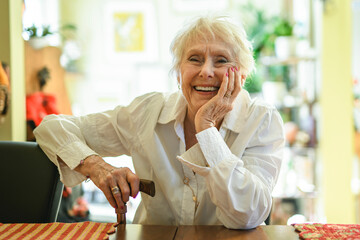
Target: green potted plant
point(285, 42)
point(283, 28)
point(275, 88)
point(37, 37)
point(278, 81)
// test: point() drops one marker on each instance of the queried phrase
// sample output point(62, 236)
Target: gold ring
point(115, 190)
point(227, 95)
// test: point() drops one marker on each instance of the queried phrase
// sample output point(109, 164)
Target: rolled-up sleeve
point(107, 134)
point(74, 138)
point(240, 186)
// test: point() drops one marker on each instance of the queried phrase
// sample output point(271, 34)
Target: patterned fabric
point(84, 230)
point(320, 231)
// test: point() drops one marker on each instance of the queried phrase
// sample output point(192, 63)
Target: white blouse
point(226, 178)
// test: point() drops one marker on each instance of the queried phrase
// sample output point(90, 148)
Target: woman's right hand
point(108, 178)
point(213, 112)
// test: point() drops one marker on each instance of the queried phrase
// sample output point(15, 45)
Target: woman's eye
point(222, 60)
point(194, 59)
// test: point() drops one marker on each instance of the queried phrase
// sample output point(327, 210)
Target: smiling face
point(202, 70)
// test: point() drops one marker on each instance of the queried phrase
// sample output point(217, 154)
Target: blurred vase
point(274, 92)
point(38, 42)
point(285, 47)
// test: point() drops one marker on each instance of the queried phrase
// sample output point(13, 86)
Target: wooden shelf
point(272, 60)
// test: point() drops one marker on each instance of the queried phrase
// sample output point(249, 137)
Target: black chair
point(30, 189)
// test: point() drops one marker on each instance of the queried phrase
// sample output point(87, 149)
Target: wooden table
point(143, 232)
point(94, 230)
point(152, 232)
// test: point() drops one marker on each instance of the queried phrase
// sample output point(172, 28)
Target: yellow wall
point(337, 131)
point(12, 52)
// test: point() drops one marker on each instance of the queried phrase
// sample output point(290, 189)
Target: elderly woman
point(213, 153)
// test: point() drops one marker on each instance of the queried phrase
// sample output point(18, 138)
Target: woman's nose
point(207, 70)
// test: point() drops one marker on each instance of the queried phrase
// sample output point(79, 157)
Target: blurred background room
point(83, 56)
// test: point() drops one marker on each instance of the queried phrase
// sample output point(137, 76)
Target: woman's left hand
point(212, 113)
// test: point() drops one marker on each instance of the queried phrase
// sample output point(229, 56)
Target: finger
point(109, 196)
point(115, 189)
point(124, 188)
point(117, 196)
point(230, 86)
point(237, 86)
point(224, 84)
point(134, 182)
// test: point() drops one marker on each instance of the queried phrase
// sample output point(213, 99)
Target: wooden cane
point(145, 186)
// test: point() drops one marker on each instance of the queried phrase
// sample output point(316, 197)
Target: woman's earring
point(179, 87)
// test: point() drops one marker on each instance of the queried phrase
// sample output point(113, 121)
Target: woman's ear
point(243, 80)
point(178, 81)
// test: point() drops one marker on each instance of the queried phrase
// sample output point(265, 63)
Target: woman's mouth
point(206, 89)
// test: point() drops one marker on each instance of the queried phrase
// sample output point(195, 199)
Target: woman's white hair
point(211, 28)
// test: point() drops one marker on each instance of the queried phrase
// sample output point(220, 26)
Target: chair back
point(30, 185)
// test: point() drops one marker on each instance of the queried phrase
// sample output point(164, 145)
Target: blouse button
point(186, 180)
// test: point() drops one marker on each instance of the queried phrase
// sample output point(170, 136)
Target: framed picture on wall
point(199, 5)
point(131, 32)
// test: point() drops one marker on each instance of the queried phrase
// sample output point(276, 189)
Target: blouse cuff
point(195, 156)
point(73, 153)
point(213, 146)
point(194, 159)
